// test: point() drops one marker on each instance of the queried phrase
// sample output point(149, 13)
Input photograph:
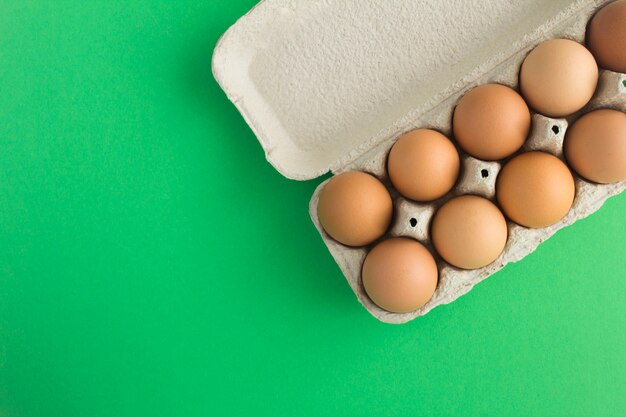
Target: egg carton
point(331, 85)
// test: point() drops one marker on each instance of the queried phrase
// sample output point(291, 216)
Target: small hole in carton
point(555, 129)
point(624, 83)
point(484, 173)
point(413, 222)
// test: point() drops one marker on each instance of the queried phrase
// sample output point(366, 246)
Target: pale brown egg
point(491, 122)
point(469, 232)
point(355, 208)
point(535, 189)
point(399, 275)
point(606, 36)
point(423, 165)
point(595, 146)
point(558, 77)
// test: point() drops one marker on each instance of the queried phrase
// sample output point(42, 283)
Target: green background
point(152, 263)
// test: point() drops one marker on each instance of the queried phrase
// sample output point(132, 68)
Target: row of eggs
point(491, 122)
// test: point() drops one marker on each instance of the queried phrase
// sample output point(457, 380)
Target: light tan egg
point(469, 232)
point(355, 208)
point(491, 122)
point(535, 189)
point(558, 77)
point(399, 275)
point(595, 146)
point(423, 165)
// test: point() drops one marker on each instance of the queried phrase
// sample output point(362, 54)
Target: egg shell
point(399, 275)
point(606, 36)
point(491, 122)
point(469, 232)
point(355, 208)
point(535, 189)
point(595, 146)
point(423, 165)
point(558, 77)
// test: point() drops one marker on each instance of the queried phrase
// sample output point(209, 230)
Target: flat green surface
point(154, 264)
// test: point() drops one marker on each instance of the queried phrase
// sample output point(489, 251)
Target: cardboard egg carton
point(330, 85)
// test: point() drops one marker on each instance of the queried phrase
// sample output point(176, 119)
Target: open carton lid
point(322, 82)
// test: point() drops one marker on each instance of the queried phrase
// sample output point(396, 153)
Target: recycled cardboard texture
point(320, 82)
point(332, 84)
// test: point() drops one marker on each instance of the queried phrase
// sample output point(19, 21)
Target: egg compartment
point(329, 86)
point(412, 219)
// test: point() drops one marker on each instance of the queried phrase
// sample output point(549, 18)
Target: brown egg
point(558, 77)
point(423, 165)
point(400, 275)
point(355, 208)
point(535, 189)
point(491, 122)
point(469, 232)
point(595, 146)
point(606, 36)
